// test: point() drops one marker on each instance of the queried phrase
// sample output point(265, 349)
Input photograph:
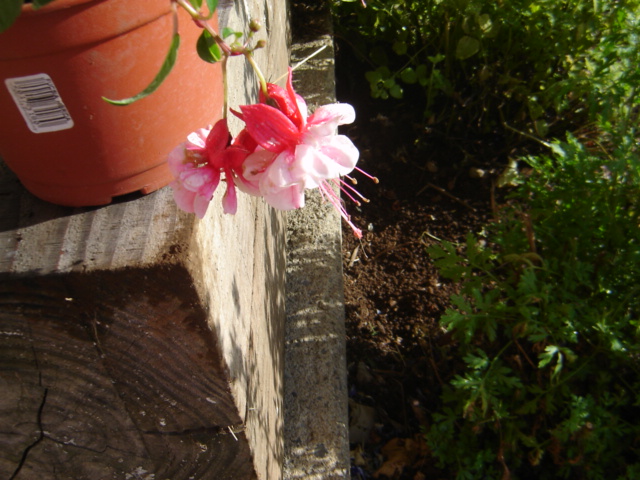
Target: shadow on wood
point(114, 375)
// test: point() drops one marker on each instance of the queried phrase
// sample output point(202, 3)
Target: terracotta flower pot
point(65, 143)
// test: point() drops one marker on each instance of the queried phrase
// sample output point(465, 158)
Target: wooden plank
point(37, 237)
point(120, 326)
point(111, 373)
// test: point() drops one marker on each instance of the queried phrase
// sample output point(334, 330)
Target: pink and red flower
point(282, 152)
point(197, 164)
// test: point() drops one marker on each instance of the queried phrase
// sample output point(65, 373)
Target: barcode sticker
point(39, 102)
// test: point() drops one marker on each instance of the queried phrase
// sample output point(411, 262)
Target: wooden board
point(114, 375)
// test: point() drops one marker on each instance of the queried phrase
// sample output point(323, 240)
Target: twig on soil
point(430, 235)
point(354, 256)
point(447, 194)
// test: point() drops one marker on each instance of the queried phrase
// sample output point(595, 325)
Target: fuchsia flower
point(281, 152)
point(197, 164)
point(296, 152)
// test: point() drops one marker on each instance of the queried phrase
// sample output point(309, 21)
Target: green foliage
point(548, 326)
point(10, 11)
point(207, 48)
point(537, 64)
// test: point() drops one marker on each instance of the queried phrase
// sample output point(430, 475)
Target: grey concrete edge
point(316, 438)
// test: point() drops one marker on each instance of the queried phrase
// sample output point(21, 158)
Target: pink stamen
point(343, 190)
point(371, 177)
point(344, 186)
point(329, 194)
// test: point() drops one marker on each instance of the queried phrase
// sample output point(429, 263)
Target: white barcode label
point(39, 102)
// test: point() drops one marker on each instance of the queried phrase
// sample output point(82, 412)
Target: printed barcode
point(39, 102)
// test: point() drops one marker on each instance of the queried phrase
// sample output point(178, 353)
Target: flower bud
point(255, 25)
point(261, 43)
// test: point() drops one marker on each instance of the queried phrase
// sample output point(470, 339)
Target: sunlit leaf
point(227, 32)
point(487, 27)
point(212, 5)
point(167, 65)
point(207, 48)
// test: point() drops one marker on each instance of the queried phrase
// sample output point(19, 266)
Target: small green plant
point(548, 326)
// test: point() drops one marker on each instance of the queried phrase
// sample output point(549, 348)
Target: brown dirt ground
point(397, 353)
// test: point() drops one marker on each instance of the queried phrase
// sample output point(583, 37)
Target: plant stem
point(202, 23)
point(225, 86)
point(258, 72)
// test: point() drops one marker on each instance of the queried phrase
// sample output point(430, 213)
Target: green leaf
point(167, 65)
point(227, 32)
point(487, 27)
point(409, 75)
point(400, 48)
point(373, 77)
point(211, 5)
point(467, 47)
point(9, 12)
point(207, 48)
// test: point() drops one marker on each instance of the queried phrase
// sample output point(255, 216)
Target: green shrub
point(538, 65)
point(548, 326)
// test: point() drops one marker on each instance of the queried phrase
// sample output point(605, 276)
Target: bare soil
point(398, 355)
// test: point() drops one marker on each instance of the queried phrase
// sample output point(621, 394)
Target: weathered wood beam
point(111, 375)
point(138, 342)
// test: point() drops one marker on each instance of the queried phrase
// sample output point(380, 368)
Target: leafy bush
point(548, 326)
point(538, 64)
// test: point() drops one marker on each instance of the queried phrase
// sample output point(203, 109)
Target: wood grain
point(113, 376)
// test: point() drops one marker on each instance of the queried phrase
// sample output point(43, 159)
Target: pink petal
point(198, 138)
point(230, 201)
point(200, 179)
point(200, 205)
point(248, 187)
point(176, 160)
point(280, 173)
point(311, 166)
point(341, 150)
point(184, 198)
point(325, 119)
point(287, 198)
point(256, 164)
point(269, 127)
